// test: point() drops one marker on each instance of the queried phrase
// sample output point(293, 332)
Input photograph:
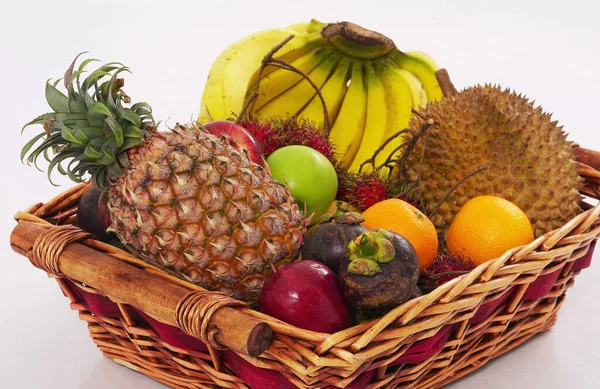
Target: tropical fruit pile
point(326, 164)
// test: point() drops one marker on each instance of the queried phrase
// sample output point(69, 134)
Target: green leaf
point(131, 117)
point(81, 136)
point(76, 105)
point(116, 130)
point(61, 169)
point(67, 116)
point(100, 108)
point(98, 143)
point(106, 158)
point(99, 178)
point(131, 142)
point(95, 119)
point(42, 119)
point(133, 132)
point(83, 165)
point(113, 80)
point(58, 159)
point(92, 132)
point(85, 63)
point(76, 172)
point(56, 99)
point(91, 152)
point(47, 156)
point(30, 144)
point(71, 122)
point(141, 105)
point(69, 72)
point(54, 140)
point(93, 78)
point(123, 160)
point(115, 169)
point(68, 136)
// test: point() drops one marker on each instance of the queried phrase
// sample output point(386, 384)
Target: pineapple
point(184, 199)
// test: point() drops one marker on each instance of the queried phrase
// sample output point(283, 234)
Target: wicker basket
point(185, 337)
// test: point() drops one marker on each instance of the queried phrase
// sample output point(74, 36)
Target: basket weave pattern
point(482, 315)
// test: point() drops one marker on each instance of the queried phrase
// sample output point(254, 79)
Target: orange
point(486, 227)
point(399, 216)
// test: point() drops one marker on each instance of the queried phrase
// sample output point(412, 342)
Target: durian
point(529, 160)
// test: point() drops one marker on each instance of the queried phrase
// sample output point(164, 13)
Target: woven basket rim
point(368, 345)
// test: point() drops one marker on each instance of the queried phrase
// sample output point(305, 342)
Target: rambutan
point(264, 132)
point(275, 133)
point(445, 267)
point(300, 131)
point(367, 188)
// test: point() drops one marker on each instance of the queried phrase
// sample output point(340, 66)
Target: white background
point(547, 50)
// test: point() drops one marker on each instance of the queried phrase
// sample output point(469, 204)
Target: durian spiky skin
point(530, 161)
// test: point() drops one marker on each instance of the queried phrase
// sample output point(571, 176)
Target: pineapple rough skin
point(196, 206)
point(530, 161)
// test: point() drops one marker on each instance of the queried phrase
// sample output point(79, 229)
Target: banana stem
point(264, 63)
point(268, 60)
point(290, 67)
point(443, 78)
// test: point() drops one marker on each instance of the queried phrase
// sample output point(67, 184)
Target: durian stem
point(413, 141)
point(380, 149)
point(453, 188)
point(420, 179)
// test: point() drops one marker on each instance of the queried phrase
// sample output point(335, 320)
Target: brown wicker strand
point(195, 311)
point(308, 359)
point(49, 245)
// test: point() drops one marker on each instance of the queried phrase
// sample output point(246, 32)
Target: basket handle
point(589, 170)
point(209, 316)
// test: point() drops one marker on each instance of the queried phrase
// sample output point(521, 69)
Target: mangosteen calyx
point(342, 215)
point(368, 250)
point(349, 218)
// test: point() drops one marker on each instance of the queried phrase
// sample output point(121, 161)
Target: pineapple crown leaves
point(89, 130)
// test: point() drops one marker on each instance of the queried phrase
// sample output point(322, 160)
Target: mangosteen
point(379, 271)
point(327, 242)
point(93, 214)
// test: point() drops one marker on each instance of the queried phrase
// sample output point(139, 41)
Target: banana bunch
point(369, 86)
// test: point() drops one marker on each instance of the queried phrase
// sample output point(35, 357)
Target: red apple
point(243, 139)
point(307, 295)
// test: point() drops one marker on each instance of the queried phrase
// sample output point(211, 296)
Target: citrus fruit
point(401, 217)
point(486, 227)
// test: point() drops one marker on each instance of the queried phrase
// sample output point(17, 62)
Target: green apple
point(308, 174)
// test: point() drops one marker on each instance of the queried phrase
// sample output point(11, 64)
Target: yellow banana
point(403, 93)
point(333, 93)
point(347, 129)
point(376, 121)
point(281, 80)
point(423, 67)
point(232, 72)
point(297, 97)
point(307, 27)
point(369, 85)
